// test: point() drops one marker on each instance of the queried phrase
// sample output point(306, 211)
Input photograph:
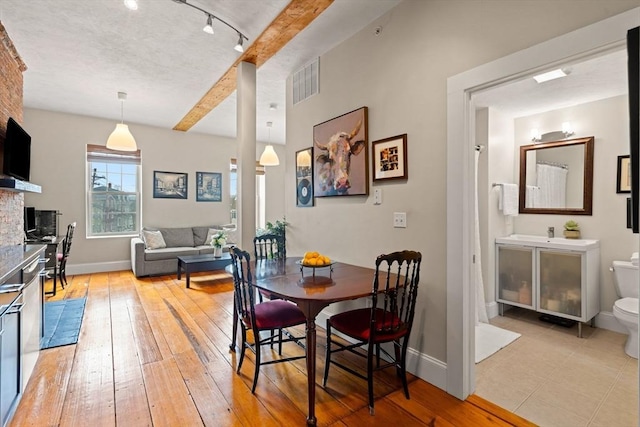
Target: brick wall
point(11, 84)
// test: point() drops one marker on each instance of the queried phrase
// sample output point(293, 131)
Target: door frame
point(595, 39)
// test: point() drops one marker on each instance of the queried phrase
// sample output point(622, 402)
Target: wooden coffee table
point(197, 263)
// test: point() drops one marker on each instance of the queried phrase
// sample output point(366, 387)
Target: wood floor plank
point(169, 399)
point(152, 352)
point(44, 396)
point(130, 395)
point(91, 382)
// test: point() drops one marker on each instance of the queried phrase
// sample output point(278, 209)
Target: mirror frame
point(587, 185)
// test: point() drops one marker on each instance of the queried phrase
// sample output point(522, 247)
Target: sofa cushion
point(178, 237)
point(168, 253)
point(232, 233)
point(200, 235)
point(153, 239)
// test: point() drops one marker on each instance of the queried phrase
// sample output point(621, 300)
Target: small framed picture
point(208, 187)
point(169, 185)
point(389, 159)
point(623, 183)
point(304, 177)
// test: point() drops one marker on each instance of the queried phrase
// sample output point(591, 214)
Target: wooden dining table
point(311, 290)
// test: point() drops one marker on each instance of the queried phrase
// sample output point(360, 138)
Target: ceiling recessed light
point(551, 75)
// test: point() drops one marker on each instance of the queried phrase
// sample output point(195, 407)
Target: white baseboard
point(101, 267)
point(606, 320)
point(492, 309)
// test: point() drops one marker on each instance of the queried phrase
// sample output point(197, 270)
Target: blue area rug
point(62, 321)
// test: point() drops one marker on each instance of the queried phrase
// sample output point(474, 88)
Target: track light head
point(209, 27)
point(239, 47)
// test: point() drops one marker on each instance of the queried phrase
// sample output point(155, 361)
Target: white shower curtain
point(552, 182)
point(481, 307)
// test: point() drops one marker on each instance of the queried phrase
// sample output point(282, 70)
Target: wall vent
point(305, 81)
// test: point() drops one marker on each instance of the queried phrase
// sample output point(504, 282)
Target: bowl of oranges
point(315, 259)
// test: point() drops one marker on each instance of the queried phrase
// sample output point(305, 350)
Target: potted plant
point(571, 230)
point(218, 240)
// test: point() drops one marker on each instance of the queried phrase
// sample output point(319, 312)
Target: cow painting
point(341, 156)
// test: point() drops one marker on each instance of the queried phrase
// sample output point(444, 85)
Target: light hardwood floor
point(151, 352)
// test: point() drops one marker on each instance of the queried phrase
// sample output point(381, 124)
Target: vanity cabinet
point(549, 275)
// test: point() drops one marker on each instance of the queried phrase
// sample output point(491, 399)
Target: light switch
point(400, 219)
point(377, 196)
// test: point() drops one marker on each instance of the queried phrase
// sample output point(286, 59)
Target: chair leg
point(257, 370)
point(370, 377)
point(232, 346)
point(279, 342)
point(327, 356)
point(242, 348)
point(403, 368)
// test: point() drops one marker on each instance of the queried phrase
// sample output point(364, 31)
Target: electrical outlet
point(400, 219)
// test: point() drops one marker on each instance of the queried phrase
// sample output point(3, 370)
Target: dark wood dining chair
point(62, 257)
point(269, 246)
point(388, 320)
point(268, 316)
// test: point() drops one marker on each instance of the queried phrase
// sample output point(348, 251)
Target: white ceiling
point(80, 53)
point(598, 77)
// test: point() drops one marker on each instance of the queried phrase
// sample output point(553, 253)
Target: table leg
point(188, 278)
point(311, 370)
point(55, 276)
point(179, 269)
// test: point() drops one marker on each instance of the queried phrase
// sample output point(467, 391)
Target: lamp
point(121, 139)
point(269, 156)
point(239, 47)
point(209, 28)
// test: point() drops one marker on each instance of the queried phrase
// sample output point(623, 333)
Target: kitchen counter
point(12, 260)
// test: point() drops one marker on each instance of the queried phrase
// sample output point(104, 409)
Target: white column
point(246, 139)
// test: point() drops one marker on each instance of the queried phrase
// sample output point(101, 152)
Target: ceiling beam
point(292, 20)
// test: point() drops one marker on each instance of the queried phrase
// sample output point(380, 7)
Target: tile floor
point(555, 379)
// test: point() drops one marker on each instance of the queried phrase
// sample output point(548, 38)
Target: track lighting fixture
point(239, 47)
point(121, 138)
point(131, 4)
point(209, 27)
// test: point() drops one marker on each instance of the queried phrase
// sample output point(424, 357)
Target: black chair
point(61, 258)
point(269, 246)
point(389, 320)
point(261, 317)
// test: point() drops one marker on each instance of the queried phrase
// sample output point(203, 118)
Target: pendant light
point(121, 139)
point(269, 156)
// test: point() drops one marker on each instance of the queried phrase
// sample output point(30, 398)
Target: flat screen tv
point(29, 219)
point(17, 151)
point(633, 76)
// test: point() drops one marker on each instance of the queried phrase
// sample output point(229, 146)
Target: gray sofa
point(147, 260)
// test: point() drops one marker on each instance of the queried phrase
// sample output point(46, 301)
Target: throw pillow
point(232, 234)
point(153, 239)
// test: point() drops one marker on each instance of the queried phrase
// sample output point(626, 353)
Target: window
point(113, 192)
point(260, 194)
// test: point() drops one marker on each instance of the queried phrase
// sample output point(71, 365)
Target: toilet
point(625, 310)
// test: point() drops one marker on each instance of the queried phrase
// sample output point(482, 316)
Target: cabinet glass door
point(561, 282)
point(515, 275)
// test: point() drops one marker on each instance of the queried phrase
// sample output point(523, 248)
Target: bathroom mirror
point(556, 177)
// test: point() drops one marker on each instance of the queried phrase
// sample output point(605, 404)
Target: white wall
point(608, 122)
point(401, 76)
point(58, 156)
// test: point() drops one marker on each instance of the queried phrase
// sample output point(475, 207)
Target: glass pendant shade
point(269, 157)
point(121, 139)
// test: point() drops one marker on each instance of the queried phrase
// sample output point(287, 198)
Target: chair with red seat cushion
point(268, 316)
point(393, 298)
point(62, 257)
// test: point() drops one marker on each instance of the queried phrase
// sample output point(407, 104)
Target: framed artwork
point(340, 164)
point(623, 182)
point(169, 185)
point(208, 187)
point(389, 159)
point(304, 178)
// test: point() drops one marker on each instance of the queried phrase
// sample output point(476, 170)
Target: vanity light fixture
point(269, 156)
point(131, 4)
point(121, 138)
point(209, 27)
point(551, 75)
